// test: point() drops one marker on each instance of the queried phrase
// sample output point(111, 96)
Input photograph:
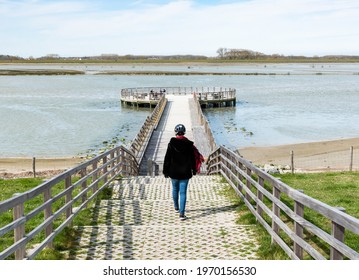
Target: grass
point(335, 189)
point(266, 250)
point(65, 240)
point(10, 187)
point(68, 238)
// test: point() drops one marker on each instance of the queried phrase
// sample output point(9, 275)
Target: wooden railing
point(43, 212)
point(204, 122)
point(62, 198)
point(203, 93)
point(140, 143)
point(280, 209)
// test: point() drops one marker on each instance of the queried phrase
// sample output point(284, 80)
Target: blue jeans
point(179, 192)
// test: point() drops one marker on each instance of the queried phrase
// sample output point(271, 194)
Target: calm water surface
point(67, 115)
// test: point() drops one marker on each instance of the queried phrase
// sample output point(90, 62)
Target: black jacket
point(179, 159)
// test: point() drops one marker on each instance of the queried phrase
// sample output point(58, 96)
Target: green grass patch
point(67, 238)
point(9, 187)
point(335, 189)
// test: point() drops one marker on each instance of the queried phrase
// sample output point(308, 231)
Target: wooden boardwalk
point(179, 109)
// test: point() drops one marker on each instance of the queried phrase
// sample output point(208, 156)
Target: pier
point(207, 96)
point(136, 220)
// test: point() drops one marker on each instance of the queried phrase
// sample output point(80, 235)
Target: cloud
point(306, 27)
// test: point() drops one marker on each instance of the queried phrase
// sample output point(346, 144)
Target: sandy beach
point(45, 167)
point(314, 156)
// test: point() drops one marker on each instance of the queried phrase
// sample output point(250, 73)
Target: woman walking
point(179, 165)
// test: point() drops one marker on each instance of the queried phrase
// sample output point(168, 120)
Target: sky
point(35, 28)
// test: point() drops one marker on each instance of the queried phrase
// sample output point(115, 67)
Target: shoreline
point(22, 167)
point(314, 156)
point(311, 156)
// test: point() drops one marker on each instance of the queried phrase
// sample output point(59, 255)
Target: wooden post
point(292, 161)
point(34, 166)
point(104, 162)
point(19, 231)
point(276, 211)
point(94, 177)
point(122, 159)
point(248, 183)
point(149, 167)
point(117, 160)
point(337, 233)
point(84, 184)
point(298, 229)
point(68, 196)
point(112, 163)
point(351, 158)
point(47, 214)
point(240, 165)
point(260, 196)
point(218, 161)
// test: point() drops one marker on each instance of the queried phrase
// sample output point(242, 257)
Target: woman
point(179, 165)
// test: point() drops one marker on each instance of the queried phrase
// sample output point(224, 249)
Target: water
point(274, 110)
point(62, 116)
point(67, 115)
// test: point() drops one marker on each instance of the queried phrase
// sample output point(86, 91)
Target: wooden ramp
point(179, 109)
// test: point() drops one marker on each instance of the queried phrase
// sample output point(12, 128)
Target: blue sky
point(163, 27)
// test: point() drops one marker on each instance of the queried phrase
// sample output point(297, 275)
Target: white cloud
point(315, 27)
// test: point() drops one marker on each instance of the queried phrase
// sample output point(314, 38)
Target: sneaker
point(183, 217)
point(177, 210)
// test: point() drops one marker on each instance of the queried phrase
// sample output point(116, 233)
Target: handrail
point(204, 122)
point(140, 142)
point(203, 93)
point(262, 193)
point(61, 197)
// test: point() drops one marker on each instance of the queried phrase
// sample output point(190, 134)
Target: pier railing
point(285, 212)
point(151, 95)
point(204, 122)
point(140, 142)
point(34, 218)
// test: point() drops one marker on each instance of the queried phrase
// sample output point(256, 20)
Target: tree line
point(244, 54)
point(223, 54)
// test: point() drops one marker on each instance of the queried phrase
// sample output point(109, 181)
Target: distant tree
point(221, 52)
point(232, 54)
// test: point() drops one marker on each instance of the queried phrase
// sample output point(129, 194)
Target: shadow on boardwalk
point(139, 223)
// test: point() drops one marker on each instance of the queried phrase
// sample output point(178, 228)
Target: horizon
point(159, 56)
point(36, 28)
